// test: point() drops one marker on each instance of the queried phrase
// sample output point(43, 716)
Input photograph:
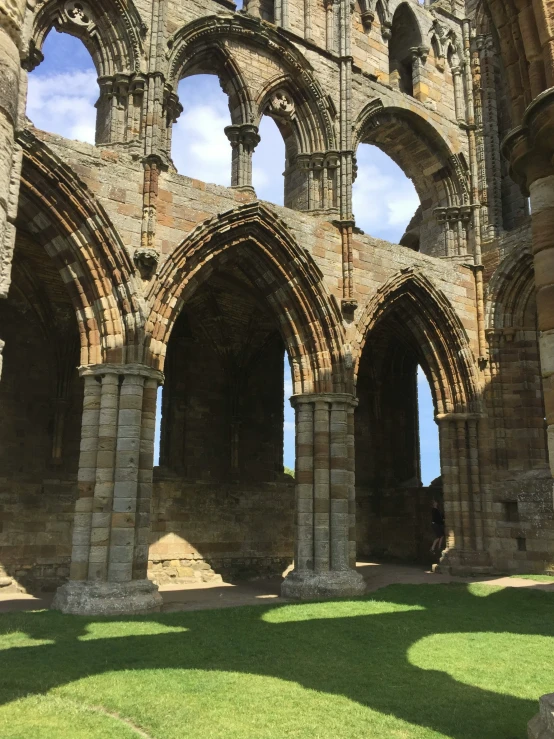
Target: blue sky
point(62, 94)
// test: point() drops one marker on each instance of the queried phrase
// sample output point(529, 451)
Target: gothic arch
point(297, 114)
point(209, 33)
point(286, 277)
point(439, 175)
point(217, 59)
point(510, 291)
point(111, 30)
point(428, 321)
point(62, 215)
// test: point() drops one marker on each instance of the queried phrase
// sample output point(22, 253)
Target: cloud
point(64, 104)
point(384, 199)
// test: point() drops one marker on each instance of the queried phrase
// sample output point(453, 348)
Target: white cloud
point(384, 199)
point(64, 104)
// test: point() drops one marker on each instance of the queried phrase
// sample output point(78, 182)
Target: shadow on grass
point(361, 657)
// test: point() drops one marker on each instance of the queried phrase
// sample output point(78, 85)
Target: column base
point(96, 598)
point(464, 563)
point(541, 726)
point(314, 585)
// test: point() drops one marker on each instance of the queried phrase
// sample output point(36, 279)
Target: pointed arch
point(284, 274)
point(510, 291)
point(217, 59)
point(428, 321)
point(438, 173)
point(59, 212)
point(298, 115)
point(209, 33)
point(112, 31)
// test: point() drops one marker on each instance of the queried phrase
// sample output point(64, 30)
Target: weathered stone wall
point(239, 530)
point(395, 523)
point(128, 245)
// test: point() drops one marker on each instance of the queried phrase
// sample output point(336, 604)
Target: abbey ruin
point(118, 275)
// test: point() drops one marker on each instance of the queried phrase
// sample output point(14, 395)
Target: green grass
point(537, 578)
point(409, 662)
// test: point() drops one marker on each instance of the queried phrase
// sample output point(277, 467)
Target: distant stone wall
point(395, 523)
point(237, 530)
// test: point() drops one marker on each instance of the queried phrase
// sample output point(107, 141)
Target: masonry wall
point(37, 491)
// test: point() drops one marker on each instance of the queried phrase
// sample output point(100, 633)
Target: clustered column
point(112, 512)
point(243, 138)
point(462, 485)
point(542, 220)
point(325, 543)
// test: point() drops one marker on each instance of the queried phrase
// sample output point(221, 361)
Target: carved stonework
point(78, 12)
point(281, 105)
point(146, 261)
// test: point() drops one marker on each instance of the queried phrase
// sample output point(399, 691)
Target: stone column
point(112, 512)
point(243, 138)
point(463, 504)
point(11, 23)
point(542, 221)
point(419, 57)
point(530, 151)
point(325, 543)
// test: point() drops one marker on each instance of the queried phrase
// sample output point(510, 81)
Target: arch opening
point(385, 201)
point(396, 446)
point(440, 177)
point(404, 45)
point(223, 501)
point(41, 409)
point(200, 149)
point(63, 90)
point(236, 311)
point(411, 338)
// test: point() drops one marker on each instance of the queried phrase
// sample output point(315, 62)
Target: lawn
point(410, 662)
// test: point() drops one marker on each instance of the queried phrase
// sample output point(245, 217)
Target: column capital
point(243, 133)
point(139, 370)
point(330, 398)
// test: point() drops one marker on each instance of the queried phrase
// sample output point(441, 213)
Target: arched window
point(63, 89)
point(404, 46)
point(385, 202)
point(200, 148)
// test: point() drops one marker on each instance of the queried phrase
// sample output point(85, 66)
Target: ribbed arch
point(218, 60)
point(439, 175)
point(111, 30)
point(58, 212)
point(252, 238)
point(313, 114)
point(424, 319)
point(510, 291)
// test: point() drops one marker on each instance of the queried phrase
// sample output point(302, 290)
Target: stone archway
point(414, 324)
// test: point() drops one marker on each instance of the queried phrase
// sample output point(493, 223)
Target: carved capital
point(245, 134)
point(146, 261)
point(368, 16)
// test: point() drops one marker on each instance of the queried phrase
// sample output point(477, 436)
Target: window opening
point(63, 89)
point(200, 148)
point(385, 201)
